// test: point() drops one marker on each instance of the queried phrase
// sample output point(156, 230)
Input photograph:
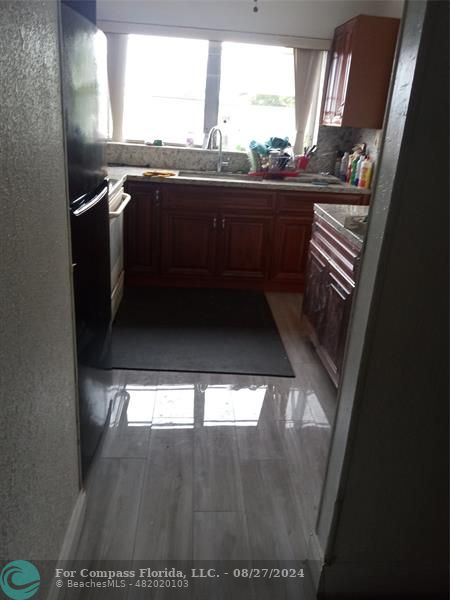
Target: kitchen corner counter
point(337, 216)
point(122, 173)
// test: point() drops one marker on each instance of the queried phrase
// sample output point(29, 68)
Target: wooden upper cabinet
point(359, 71)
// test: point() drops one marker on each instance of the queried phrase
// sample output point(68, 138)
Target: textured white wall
point(389, 455)
point(38, 432)
point(275, 22)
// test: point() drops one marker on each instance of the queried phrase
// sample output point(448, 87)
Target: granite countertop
point(121, 173)
point(337, 215)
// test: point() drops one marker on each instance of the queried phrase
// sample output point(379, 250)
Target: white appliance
point(118, 201)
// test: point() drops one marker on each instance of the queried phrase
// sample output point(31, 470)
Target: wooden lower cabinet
point(329, 294)
point(190, 235)
point(290, 249)
point(142, 233)
point(244, 246)
point(314, 301)
point(334, 325)
point(188, 244)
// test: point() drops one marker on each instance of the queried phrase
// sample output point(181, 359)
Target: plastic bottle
point(344, 166)
point(354, 167)
point(366, 173)
point(349, 168)
point(362, 158)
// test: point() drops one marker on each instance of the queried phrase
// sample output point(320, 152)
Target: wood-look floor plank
point(164, 528)
point(262, 441)
point(306, 453)
point(163, 588)
point(128, 431)
point(113, 496)
point(217, 477)
point(275, 527)
point(220, 536)
point(224, 587)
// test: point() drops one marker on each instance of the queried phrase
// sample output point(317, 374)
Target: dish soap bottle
point(354, 167)
point(362, 158)
point(366, 173)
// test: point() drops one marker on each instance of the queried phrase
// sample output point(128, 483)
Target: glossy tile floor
point(214, 467)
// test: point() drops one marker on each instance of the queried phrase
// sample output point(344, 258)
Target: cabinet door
point(333, 330)
point(244, 246)
point(290, 251)
point(345, 50)
point(314, 301)
point(188, 243)
point(357, 80)
point(337, 76)
point(333, 79)
point(141, 232)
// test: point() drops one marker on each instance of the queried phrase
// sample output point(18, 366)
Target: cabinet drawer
point(343, 254)
point(141, 188)
point(303, 202)
point(217, 198)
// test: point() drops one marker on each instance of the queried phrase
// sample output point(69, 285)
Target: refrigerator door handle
point(95, 200)
point(113, 214)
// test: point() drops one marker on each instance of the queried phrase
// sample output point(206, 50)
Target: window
point(176, 89)
point(257, 93)
point(164, 89)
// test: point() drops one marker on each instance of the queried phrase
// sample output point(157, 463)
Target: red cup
point(302, 162)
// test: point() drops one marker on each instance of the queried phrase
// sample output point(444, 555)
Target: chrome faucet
point(212, 137)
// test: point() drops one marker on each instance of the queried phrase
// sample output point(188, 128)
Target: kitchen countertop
point(121, 173)
point(336, 216)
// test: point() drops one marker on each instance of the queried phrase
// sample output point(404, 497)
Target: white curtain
point(117, 58)
point(308, 66)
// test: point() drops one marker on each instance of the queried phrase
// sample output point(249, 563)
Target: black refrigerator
point(86, 113)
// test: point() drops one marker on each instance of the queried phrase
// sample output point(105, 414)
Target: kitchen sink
point(316, 179)
point(312, 178)
point(215, 175)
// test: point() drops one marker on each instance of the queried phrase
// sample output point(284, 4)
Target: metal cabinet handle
point(223, 224)
point(215, 223)
point(338, 292)
point(317, 259)
point(157, 195)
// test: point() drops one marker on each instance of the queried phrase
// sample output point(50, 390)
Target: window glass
point(165, 89)
point(257, 93)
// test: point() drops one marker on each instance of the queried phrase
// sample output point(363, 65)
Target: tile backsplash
point(171, 157)
point(332, 139)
